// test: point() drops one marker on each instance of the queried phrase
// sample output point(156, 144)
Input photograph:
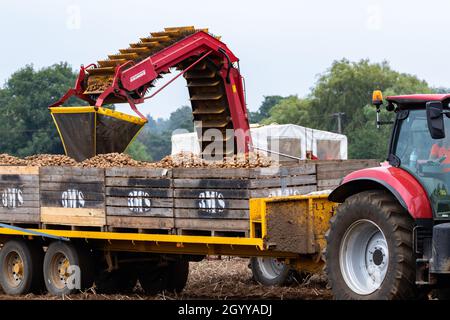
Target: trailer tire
point(178, 275)
point(122, 280)
point(271, 272)
point(153, 278)
point(372, 229)
point(58, 258)
point(21, 267)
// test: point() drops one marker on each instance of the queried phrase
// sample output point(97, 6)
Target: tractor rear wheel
point(370, 255)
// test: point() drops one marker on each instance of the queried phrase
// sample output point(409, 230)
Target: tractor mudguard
point(402, 185)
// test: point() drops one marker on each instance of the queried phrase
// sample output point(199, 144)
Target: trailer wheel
point(271, 272)
point(178, 275)
point(67, 269)
point(369, 255)
point(21, 267)
point(154, 278)
point(122, 280)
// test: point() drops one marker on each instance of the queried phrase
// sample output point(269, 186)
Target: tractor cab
point(420, 145)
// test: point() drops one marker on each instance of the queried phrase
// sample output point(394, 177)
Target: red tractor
point(390, 237)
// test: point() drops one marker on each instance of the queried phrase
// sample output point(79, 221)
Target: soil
point(228, 278)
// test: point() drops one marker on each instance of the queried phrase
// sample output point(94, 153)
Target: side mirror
point(435, 119)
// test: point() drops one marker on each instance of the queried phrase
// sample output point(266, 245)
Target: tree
point(157, 136)
point(27, 127)
point(264, 110)
point(347, 87)
point(290, 110)
point(138, 151)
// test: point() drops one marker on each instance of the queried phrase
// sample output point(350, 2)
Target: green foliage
point(158, 133)
point(138, 151)
point(290, 110)
point(347, 87)
point(27, 127)
point(264, 110)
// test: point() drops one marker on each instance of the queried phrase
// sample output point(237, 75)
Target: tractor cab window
point(426, 158)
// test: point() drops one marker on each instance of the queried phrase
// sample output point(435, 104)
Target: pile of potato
point(181, 160)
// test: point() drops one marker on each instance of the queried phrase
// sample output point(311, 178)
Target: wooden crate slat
point(138, 182)
point(129, 201)
point(18, 170)
point(278, 192)
point(138, 172)
point(212, 224)
point(25, 189)
point(198, 202)
point(210, 183)
point(346, 165)
point(71, 179)
point(153, 192)
point(140, 222)
point(21, 216)
point(73, 216)
point(283, 181)
point(270, 172)
point(126, 212)
point(328, 183)
point(227, 214)
point(203, 173)
point(226, 193)
point(87, 196)
point(23, 179)
point(72, 172)
point(61, 187)
point(20, 210)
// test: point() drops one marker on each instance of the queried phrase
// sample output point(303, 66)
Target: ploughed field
point(228, 278)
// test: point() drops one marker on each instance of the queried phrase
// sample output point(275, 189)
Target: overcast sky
point(283, 45)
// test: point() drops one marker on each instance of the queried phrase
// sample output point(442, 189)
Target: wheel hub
point(15, 269)
point(364, 257)
point(270, 267)
point(60, 270)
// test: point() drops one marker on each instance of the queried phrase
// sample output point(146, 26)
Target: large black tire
point(27, 278)
point(153, 277)
point(269, 272)
point(58, 257)
point(382, 210)
point(178, 275)
point(122, 280)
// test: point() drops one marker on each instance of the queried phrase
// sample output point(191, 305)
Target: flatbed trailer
point(56, 223)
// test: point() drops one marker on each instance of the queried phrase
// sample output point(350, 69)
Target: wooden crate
point(19, 189)
point(139, 198)
point(330, 173)
point(72, 196)
point(213, 200)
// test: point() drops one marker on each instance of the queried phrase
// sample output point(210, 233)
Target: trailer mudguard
point(403, 186)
